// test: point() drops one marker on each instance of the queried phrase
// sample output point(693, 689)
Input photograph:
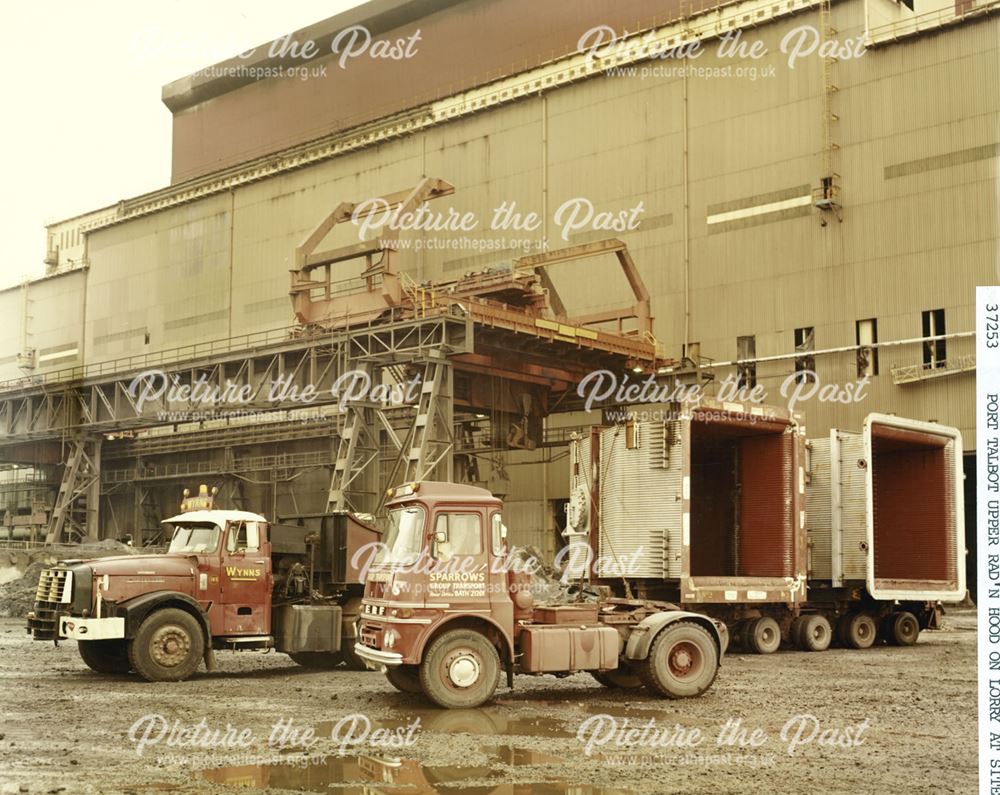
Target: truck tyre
point(904, 629)
point(405, 678)
point(621, 677)
point(460, 669)
point(795, 632)
point(763, 635)
point(351, 659)
point(318, 660)
point(105, 656)
point(682, 661)
point(739, 634)
point(857, 630)
point(167, 647)
point(815, 633)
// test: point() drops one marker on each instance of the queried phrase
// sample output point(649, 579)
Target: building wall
point(219, 127)
point(45, 316)
point(917, 164)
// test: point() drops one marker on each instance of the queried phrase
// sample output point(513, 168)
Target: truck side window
point(462, 533)
point(243, 537)
point(497, 534)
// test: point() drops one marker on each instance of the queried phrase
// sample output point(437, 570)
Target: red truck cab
point(444, 612)
point(229, 580)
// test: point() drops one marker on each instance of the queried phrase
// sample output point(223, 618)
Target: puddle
point(467, 721)
point(367, 775)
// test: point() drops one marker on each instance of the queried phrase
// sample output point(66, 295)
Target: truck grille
point(371, 635)
point(55, 586)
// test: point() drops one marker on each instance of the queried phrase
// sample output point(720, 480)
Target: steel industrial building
point(832, 211)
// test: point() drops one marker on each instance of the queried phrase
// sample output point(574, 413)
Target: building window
point(867, 338)
point(935, 351)
point(805, 362)
point(746, 371)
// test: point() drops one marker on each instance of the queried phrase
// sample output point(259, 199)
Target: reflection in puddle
point(366, 775)
point(467, 721)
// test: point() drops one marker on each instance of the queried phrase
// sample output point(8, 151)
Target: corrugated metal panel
point(525, 520)
point(819, 517)
point(854, 504)
point(640, 501)
point(766, 536)
point(266, 115)
point(11, 332)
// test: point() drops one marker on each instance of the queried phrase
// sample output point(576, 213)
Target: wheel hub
point(169, 646)
point(463, 669)
point(683, 659)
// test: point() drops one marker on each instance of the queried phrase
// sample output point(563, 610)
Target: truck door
point(500, 598)
point(460, 572)
point(245, 580)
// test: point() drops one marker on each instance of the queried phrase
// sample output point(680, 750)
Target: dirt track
point(67, 729)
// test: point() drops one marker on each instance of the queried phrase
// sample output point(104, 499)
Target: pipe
point(687, 236)
point(843, 349)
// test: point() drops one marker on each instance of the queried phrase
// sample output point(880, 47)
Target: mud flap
point(210, 662)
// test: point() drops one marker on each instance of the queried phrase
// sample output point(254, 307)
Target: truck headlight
point(389, 638)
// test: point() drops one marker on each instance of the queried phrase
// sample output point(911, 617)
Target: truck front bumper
point(91, 628)
point(368, 654)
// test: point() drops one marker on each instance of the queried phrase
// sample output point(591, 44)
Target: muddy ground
point(65, 729)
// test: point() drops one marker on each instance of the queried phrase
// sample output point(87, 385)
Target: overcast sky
point(84, 124)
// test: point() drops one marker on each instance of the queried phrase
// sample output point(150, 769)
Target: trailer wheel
point(738, 637)
point(763, 635)
point(621, 677)
point(167, 647)
point(682, 663)
point(815, 633)
point(460, 669)
point(105, 656)
point(319, 660)
point(405, 678)
point(795, 632)
point(857, 630)
point(904, 629)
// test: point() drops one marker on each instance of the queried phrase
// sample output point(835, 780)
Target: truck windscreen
point(404, 537)
point(196, 537)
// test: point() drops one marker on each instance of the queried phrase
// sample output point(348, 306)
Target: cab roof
point(217, 517)
point(439, 490)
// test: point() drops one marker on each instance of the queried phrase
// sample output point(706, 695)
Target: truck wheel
point(763, 635)
point(168, 646)
point(738, 636)
point(105, 656)
point(904, 629)
point(320, 660)
point(460, 669)
point(682, 661)
point(795, 632)
point(857, 630)
point(405, 678)
point(351, 659)
point(621, 677)
point(815, 633)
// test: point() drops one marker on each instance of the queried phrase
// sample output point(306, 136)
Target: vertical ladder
point(830, 118)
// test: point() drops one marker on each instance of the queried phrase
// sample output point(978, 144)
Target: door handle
point(260, 561)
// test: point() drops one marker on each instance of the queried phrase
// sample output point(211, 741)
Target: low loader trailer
point(728, 509)
point(446, 611)
point(229, 580)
